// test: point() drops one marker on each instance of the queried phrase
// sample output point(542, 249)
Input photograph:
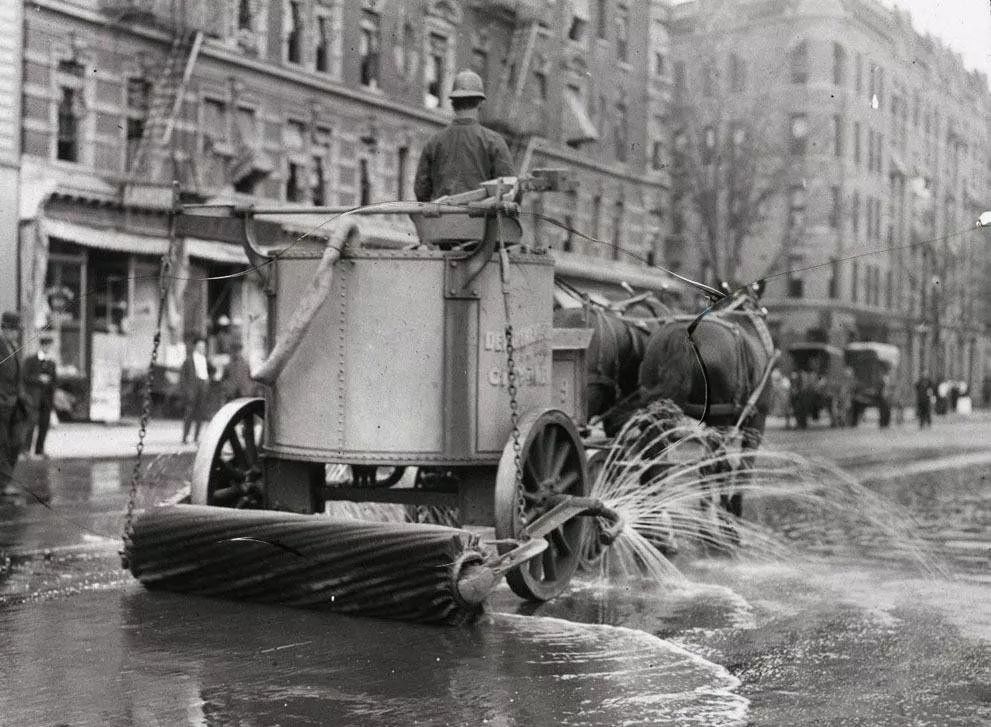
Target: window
point(835, 208)
point(708, 79)
point(859, 72)
point(244, 19)
point(620, 132)
point(738, 135)
point(67, 148)
point(294, 35)
point(796, 208)
point(737, 73)
point(856, 142)
point(402, 163)
point(708, 144)
point(368, 49)
point(799, 128)
point(596, 215)
point(679, 75)
point(660, 65)
point(657, 156)
point(838, 136)
point(435, 71)
point(834, 278)
point(602, 26)
point(855, 213)
point(364, 183)
point(576, 31)
point(855, 281)
point(324, 44)
point(622, 33)
point(796, 287)
point(322, 164)
point(799, 63)
point(617, 229)
point(294, 186)
point(480, 61)
point(138, 90)
point(839, 64)
point(215, 135)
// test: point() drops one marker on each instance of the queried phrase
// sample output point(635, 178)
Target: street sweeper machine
point(439, 358)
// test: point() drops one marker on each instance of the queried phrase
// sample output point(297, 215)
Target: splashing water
point(671, 478)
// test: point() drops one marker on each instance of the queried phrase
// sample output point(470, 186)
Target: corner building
point(304, 102)
point(887, 134)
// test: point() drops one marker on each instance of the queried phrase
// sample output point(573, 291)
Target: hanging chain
point(514, 407)
point(164, 278)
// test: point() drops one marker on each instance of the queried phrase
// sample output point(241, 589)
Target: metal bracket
point(258, 260)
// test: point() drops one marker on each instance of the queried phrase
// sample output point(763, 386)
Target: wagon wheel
point(227, 470)
point(592, 550)
point(553, 460)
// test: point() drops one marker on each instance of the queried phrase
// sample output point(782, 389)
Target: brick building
point(323, 102)
point(877, 137)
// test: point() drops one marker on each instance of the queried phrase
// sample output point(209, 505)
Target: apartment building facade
point(878, 142)
point(303, 102)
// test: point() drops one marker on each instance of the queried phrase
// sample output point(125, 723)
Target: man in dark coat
point(194, 383)
point(237, 376)
point(13, 410)
point(39, 383)
point(465, 154)
point(923, 401)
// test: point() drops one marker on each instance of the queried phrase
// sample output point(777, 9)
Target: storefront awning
point(218, 252)
point(105, 238)
point(578, 127)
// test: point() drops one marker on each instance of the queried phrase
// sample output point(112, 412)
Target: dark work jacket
point(459, 158)
point(10, 376)
point(33, 385)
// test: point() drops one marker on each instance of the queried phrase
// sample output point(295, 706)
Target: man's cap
point(10, 319)
point(467, 84)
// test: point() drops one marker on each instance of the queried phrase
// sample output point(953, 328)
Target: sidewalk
point(88, 440)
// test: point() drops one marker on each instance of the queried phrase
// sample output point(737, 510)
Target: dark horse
point(714, 380)
point(612, 360)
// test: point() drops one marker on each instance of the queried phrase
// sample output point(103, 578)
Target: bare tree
point(731, 172)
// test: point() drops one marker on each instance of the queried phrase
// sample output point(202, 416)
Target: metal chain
point(514, 407)
point(164, 278)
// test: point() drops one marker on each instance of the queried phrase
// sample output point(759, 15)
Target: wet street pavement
point(842, 632)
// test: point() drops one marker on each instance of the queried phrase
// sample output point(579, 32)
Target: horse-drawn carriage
point(874, 366)
point(819, 383)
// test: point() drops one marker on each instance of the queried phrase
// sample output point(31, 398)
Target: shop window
point(369, 43)
point(67, 148)
point(63, 293)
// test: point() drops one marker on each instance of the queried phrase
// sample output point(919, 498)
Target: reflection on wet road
point(843, 639)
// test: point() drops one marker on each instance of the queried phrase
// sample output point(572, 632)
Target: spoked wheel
point(592, 549)
point(227, 471)
point(553, 462)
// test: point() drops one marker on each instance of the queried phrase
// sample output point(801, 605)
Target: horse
point(613, 356)
point(715, 368)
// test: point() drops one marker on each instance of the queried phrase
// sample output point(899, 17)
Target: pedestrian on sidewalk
point(39, 383)
point(194, 382)
point(237, 380)
point(13, 403)
point(924, 394)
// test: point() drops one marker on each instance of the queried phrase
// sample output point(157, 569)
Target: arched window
point(799, 62)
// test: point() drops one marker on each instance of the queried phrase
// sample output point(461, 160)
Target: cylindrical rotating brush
point(424, 573)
